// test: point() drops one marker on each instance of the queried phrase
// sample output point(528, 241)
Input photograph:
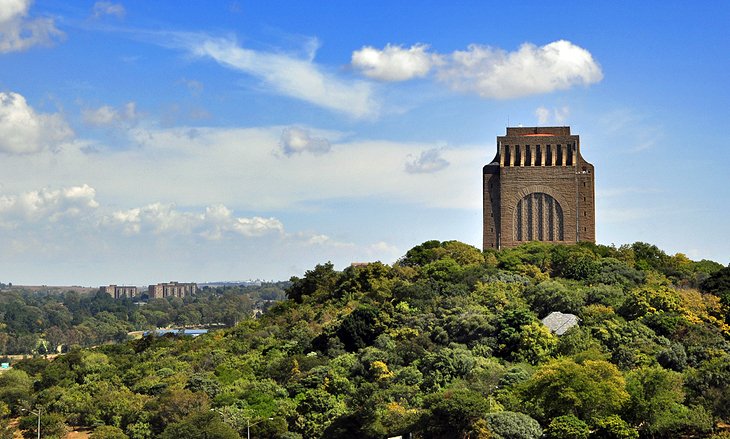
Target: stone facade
point(538, 187)
point(172, 289)
point(118, 291)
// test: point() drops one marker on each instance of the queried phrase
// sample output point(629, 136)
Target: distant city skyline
point(231, 140)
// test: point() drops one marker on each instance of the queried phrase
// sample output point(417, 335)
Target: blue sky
point(197, 141)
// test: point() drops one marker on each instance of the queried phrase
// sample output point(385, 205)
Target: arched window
point(538, 217)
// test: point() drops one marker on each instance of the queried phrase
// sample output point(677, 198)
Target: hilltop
point(445, 343)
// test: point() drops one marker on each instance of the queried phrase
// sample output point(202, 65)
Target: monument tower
point(538, 188)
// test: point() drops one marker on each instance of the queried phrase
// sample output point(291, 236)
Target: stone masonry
point(538, 187)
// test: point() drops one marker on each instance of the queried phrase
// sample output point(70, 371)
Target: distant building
point(118, 291)
point(538, 187)
point(172, 289)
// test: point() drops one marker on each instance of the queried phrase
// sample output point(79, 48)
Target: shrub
point(513, 425)
point(613, 427)
point(567, 427)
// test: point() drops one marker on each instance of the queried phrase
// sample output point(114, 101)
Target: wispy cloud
point(285, 74)
point(296, 140)
point(428, 161)
point(108, 115)
point(637, 132)
point(102, 8)
point(195, 87)
point(557, 116)
point(486, 71)
point(19, 32)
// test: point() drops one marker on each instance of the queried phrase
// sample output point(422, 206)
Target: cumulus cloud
point(496, 73)
point(427, 162)
point(102, 8)
point(50, 204)
point(213, 223)
point(557, 116)
point(486, 71)
point(19, 32)
point(297, 140)
point(23, 131)
point(394, 63)
point(108, 115)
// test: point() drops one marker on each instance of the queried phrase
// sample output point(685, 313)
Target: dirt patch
point(79, 434)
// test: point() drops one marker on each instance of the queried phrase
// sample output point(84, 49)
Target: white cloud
point(297, 140)
point(213, 223)
point(240, 171)
point(394, 63)
point(428, 162)
point(287, 75)
point(496, 73)
point(153, 220)
point(18, 32)
point(50, 204)
point(108, 8)
point(23, 131)
point(557, 116)
point(487, 71)
point(108, 115)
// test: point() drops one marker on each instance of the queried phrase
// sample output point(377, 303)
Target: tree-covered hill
point(41, 323)
point(446, 343)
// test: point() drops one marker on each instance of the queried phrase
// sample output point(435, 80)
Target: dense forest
point(42, 323)
point(445, 343)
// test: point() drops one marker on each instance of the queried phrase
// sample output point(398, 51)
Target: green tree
point(588, 390)
point(52, 426)
point(452, 413)
point(656, 404)
point(108, 432)
point(613, 427)
point(708, 386)
point(360, 328)
point(16, 389)
point(719, 284)
point(551, 295)
point(316, 409)
point(567, 427)
point(200, 426)
point(512, 425)
point(321, 281)
point(574, 262)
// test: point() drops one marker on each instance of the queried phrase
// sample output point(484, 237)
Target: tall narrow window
point(506, 155)
point(538, 155)
point(528, 155)
point(518, 156)
point(549, 156)
point(560, 162)
point(538, 216)
point(569, 160)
